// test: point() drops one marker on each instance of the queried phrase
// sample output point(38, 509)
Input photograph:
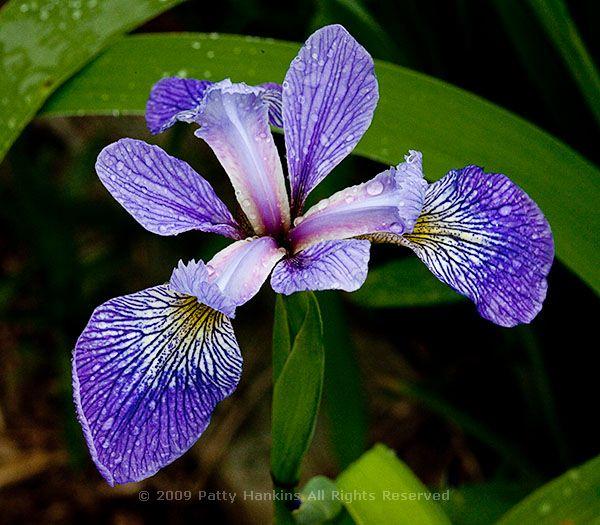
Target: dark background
point(463, 402)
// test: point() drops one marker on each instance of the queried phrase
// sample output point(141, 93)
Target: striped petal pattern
point(484, 236)
point(148, 370)
point(329, 97)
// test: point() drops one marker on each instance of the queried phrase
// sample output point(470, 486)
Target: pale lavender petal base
point(330, 265)
point(234, 122)
point(164, 194)
point(329, 96)
point(484, 236)
point(241, 269)
point(172, 99)
point(390, 202)
point(148, 370)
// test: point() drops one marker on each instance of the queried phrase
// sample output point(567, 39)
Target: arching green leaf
point(42, 43)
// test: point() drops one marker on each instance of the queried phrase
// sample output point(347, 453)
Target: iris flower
point(150, 367)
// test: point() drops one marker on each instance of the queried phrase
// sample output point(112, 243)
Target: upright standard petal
point(172, 99)
point(148, 370)
point(232, 277)
point(329, 265)
point(234, 122)
point(164, 194)
point(390, 202)
point(484, 236)
point(329, 96)
point(271, 94)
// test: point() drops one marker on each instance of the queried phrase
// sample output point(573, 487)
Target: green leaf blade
point(560, 27)
point(450, 126)
point(570, 498)
point(379, 475)
point(296, 399)
point(43, 43)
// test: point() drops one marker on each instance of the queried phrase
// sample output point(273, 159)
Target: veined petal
point(172, 99)
point(329, 96)
point(164, 194)
point(329, 265)
point(234, 122)
point(148, 370)
point(272, 96)
point(232, 277)
point(390, 202)
point(484, 236)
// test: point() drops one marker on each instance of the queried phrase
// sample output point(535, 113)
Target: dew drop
point(323, 204)
point(505, 210)
point(374, 188)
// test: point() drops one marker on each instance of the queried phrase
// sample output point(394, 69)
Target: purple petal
point(390, 202)
point(329, 96)
point(148, 370)
point(164, 194)
point(329, 265)
point(272, 96)
point(484, 236)
point(193, 278)
point(234, 122)
point(172, 99)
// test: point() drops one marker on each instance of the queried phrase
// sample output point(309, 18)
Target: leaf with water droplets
point(569, 499)
point(44, 42)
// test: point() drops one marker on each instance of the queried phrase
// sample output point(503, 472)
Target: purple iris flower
point(150, 367)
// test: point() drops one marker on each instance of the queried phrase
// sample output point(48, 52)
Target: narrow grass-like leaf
point(571, 498)
point(438, 405)
point(403, 283)
point(353, 15)
point(43, 43)
point(391, 493)
point(296, 399)
point(560, 27)
point(282, 343)
point(453, 128)
point(343, 396)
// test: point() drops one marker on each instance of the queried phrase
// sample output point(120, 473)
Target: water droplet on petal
point(505, 210)
point(323, 204)
point(374, 188)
